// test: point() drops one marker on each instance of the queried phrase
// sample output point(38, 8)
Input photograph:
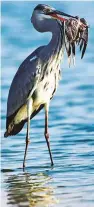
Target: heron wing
point(23, 83)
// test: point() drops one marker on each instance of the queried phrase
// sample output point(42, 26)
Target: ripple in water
point(70, 182)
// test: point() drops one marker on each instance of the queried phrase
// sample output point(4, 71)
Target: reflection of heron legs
point(46, 132)
point(29, 105)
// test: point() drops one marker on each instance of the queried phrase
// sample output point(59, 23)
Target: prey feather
point(76, 33)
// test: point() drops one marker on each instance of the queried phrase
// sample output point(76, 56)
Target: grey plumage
point(28, 75)
point(21, 87)
point(37, 78)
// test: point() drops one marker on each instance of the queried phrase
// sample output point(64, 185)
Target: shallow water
point(70, 182)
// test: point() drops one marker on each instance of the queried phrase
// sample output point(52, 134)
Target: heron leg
point(29, 108)
point(46, 132)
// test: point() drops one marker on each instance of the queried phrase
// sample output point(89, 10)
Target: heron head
point(43, 15)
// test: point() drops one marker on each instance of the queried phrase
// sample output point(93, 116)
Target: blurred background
point(70, 182)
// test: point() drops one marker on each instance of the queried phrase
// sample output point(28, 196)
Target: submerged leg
point(29, 109)
point(46, 132)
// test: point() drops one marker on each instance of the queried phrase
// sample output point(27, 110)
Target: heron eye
point(46, 11)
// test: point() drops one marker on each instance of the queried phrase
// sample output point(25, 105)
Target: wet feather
point(76, 33)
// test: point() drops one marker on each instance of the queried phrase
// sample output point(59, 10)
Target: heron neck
point(57, 41)
point(54, 43)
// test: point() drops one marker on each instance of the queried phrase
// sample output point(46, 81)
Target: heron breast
point(46, 88)
point(44, 91)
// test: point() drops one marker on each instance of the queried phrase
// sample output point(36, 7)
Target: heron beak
point(58, 15)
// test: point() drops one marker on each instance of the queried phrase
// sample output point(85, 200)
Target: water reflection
point(30, 190)
point(71, 120)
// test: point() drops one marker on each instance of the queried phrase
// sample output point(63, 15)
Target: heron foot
point(52, 164)
point(48, 144)
point(23, 167)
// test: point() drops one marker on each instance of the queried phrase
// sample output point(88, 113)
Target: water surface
point(70, 182)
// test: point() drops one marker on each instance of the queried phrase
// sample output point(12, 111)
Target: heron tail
point(14, 129)
point(6, 134)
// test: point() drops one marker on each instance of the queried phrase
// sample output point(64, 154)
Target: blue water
point(70, 183)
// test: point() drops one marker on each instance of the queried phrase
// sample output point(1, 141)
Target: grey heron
point(37, 78)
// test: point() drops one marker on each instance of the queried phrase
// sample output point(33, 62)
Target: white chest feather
point(48, 85)
point(45, 89)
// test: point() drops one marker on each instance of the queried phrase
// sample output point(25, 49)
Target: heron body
point(46, 61)
point(37, 78)
point(45, 88)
